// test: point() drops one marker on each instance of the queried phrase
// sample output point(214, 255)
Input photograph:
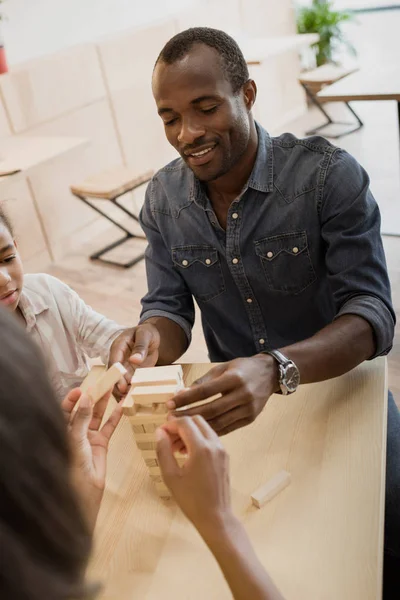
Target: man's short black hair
point(233, 61)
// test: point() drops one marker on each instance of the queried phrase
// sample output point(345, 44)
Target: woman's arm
point(201, 488)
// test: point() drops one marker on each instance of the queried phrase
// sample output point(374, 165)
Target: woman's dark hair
point(44, 538)
point(6, 221)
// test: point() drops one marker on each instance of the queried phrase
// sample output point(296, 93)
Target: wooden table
point(321, 538)
point(369, 84)
point(19, 153)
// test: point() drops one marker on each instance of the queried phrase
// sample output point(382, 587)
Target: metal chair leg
point(128, 235)
point(330, 121)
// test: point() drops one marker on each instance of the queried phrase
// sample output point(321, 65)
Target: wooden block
point(145, 437)
point(268, 491)
point(155, 471)
point(128, 406)
point(149, 427)
point(148, 395)
point(150, 376)
point(144, 416)
point(146, 445)
point(148, 454)
point(107, 381)
point(160, 409)
point(156, 478)
point(137, 428)
point(180, 460)
point(151, 462)
point(162, 490)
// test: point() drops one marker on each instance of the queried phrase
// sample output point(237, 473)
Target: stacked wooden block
point(145, 405)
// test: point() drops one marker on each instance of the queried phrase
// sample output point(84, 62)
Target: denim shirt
point(302, 247)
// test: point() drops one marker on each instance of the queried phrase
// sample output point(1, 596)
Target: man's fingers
point(143, 338)
point(211, 374)
point(233, 426)
point(219, 385)
point(111, 424)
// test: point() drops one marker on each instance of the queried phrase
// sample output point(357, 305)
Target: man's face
point(204, 120)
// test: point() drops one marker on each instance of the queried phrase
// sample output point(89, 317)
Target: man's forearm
point(173, 340)
point(336, 349)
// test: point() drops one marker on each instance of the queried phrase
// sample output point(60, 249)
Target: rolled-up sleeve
point(355, 259)
point(168, 295)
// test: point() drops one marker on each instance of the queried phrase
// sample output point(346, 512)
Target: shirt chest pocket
point(201, 269)
point(286, 262)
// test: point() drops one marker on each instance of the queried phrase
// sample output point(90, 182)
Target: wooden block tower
point(145, 406)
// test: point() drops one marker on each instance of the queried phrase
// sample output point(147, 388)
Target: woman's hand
point(89, 443)
point(201, 485)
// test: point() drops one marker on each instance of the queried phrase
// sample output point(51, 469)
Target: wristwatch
point(289, 375)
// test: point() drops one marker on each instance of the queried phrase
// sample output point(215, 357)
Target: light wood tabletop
point(367, 84)
point(321, 538)
point(19, 153)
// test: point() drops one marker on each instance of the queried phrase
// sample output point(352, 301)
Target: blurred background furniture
point(112, 185)
point(317, 79)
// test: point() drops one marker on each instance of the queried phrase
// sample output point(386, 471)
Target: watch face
point(292, 377)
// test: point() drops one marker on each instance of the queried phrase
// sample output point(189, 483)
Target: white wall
point(37, 27)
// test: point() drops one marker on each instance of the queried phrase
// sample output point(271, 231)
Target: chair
point(111, 185)
point(313, 81)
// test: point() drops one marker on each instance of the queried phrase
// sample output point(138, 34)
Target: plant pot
point(3, 61)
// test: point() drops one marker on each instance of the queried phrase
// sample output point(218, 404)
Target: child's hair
point(5, 220)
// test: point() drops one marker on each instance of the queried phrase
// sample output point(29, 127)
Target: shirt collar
point(31, 304)
point(262, 175)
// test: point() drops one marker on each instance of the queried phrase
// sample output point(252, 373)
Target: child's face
point(11, 273)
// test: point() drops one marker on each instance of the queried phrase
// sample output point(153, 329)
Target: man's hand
point(201, 485)
point(134, 347)
point(89, 444)
point(245, 385)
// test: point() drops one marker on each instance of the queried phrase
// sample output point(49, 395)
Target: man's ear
point(249, 94)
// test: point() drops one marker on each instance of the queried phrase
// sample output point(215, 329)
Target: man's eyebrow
point(203, 99)
point(162, 111)
point(6, 248)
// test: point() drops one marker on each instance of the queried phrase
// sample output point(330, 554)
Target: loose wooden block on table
point(327, 435)
point(268, 491)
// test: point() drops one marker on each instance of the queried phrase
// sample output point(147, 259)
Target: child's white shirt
point(67, 330)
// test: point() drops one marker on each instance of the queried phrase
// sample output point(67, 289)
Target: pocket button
point(208, 261)
point(295, 250)
point(270, 254)
point(185, 263)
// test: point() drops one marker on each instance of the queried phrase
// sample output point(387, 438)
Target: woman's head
point(11, 272)
point(45, 540)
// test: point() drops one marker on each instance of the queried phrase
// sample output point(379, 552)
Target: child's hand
point(89, 444)
point(134, 347)
point(201, 485)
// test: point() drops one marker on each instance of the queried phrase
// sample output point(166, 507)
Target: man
point(277, 239)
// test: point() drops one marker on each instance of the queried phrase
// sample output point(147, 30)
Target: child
point(65, 328)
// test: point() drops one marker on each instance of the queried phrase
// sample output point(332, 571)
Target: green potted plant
point(322, 19)
point(3, 59)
